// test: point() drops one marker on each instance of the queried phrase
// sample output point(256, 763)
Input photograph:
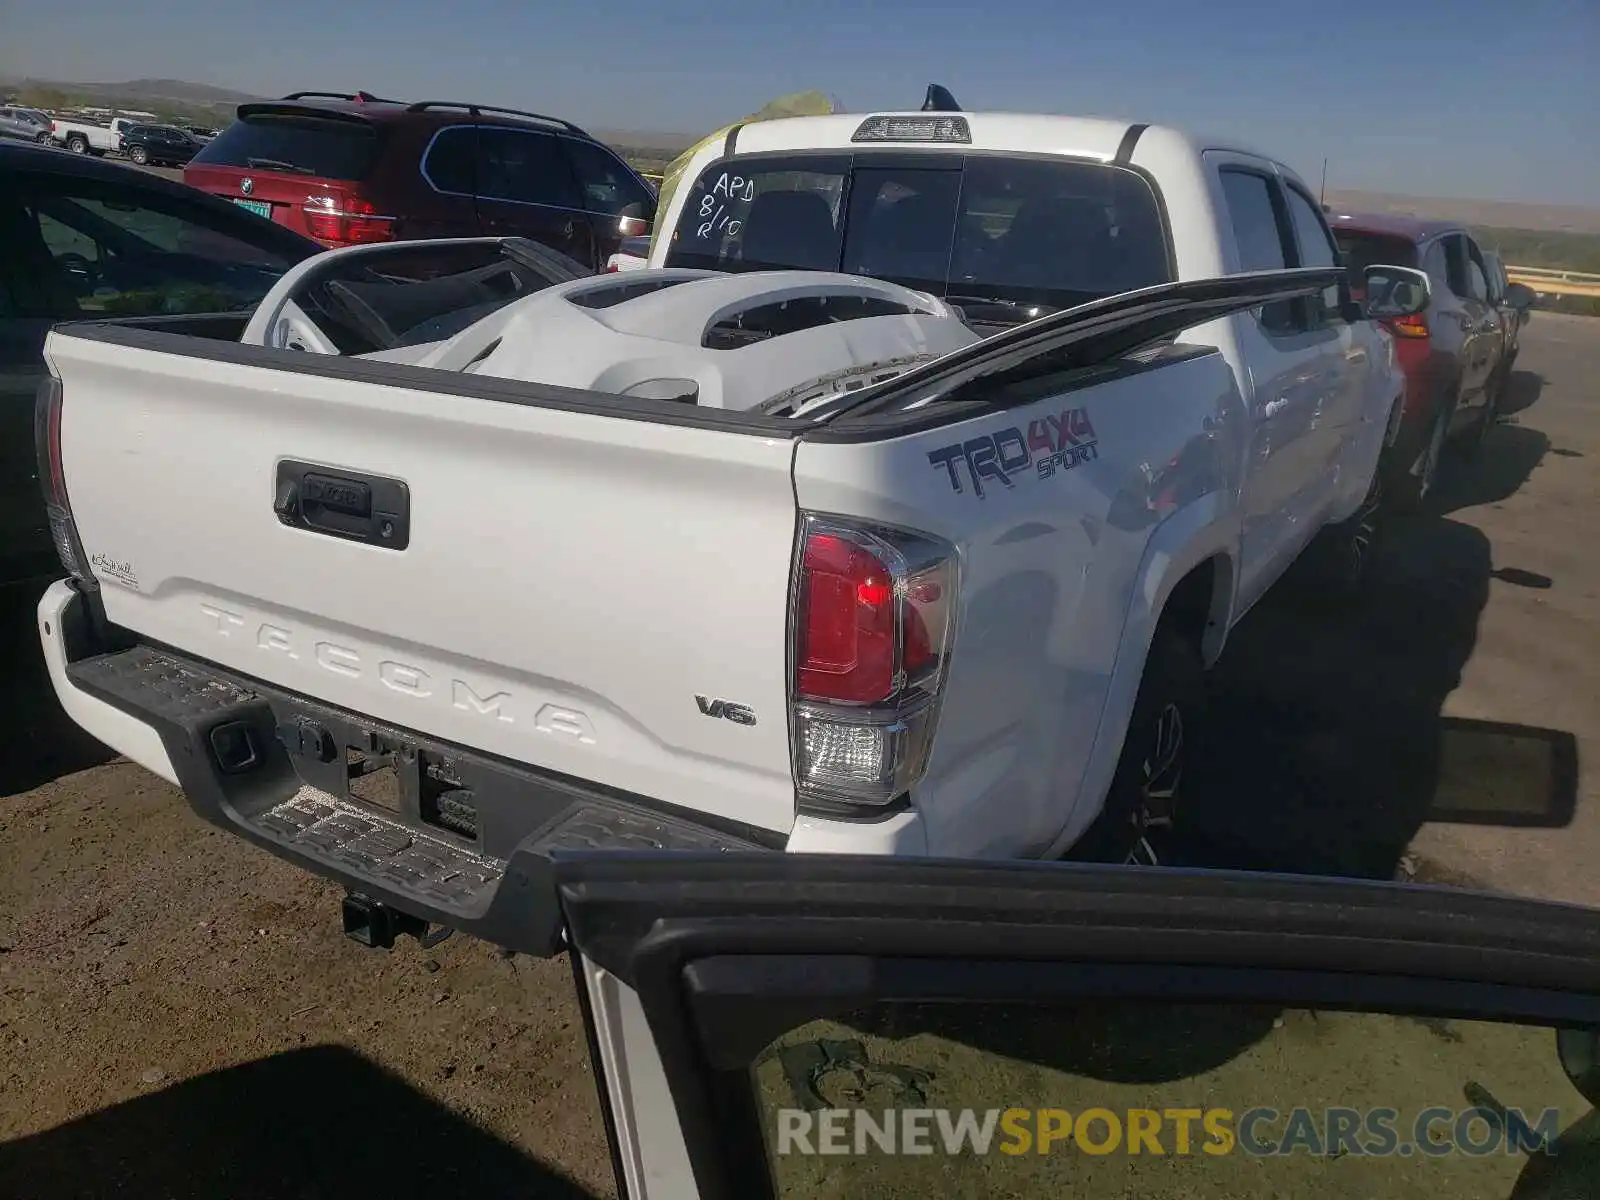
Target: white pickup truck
point(84, 137)
point(1062, 399)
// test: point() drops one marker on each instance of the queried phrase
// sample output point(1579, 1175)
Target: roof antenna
point(1322, 196)
point(939, 99)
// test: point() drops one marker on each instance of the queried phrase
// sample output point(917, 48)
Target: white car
point(921, 554)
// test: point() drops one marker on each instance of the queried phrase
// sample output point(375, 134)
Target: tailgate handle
point(344, 504)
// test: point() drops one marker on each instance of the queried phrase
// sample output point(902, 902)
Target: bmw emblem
point(247, 186)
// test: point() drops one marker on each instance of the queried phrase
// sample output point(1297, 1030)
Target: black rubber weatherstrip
point(1124, 154)
point(731, 140)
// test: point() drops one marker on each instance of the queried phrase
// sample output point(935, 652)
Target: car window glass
point(901, 225)
point(448, 164)
point(1455, 257)
point(313, 146)
point(1497, 279)
point(607, 185)
point(1259, 237)
point(1477, 285)
point(1161, 1100)
point(121, 252)
point(1315, 244)
point(990, 232)
point(1436, 263)
point(528, 168)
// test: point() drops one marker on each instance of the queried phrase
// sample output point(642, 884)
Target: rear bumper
point(271, 767)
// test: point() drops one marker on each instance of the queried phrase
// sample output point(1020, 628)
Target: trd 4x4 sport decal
point(1051, 444)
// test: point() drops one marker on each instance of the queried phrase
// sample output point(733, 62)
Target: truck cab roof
point(1105, 138)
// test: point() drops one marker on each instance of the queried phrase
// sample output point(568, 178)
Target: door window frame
point(1325, 315)
point(1298, 324)
point(725, 955)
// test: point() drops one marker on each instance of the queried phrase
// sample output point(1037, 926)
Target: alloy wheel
point(1162, 771)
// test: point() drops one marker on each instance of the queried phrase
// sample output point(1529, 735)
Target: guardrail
point(1548, 281)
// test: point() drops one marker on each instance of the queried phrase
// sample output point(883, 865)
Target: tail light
point(53, 482)
point(346, 221)
point(1415, 326)
point(873, 619)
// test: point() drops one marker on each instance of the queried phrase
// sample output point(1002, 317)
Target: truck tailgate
point(561, 588)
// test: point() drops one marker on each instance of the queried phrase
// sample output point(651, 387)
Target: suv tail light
point(53, 482)
point(346, 221)
point(1408, 327)
point(873, 618)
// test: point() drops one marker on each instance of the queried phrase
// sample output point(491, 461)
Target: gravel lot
point(179, 1015)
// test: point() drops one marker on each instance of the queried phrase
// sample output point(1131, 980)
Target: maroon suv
point(1455, 354)
point(350, 169)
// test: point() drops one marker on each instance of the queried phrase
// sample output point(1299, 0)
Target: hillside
point(168, 97)
point(1499, 214)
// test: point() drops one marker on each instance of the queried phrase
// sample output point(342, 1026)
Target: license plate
point(260, 207)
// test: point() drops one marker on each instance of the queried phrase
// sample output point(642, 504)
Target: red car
point(1454, 354)
point(350, 168)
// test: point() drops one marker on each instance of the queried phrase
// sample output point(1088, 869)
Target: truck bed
point(568, 613)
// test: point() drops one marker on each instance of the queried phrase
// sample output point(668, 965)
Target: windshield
point(327, 149)
point(1013, 231)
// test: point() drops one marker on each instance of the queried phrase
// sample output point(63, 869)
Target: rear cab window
point(297, 142)
point(994, 232)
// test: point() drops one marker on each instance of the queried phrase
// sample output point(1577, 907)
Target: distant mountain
point(1500, 214)
point(138, 91)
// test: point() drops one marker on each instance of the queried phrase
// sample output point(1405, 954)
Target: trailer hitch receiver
point(375, 924)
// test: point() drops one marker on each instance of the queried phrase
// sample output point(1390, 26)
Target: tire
point(1409, 485)
point(1336, 562)
point(1136, 825)
point(78, 144)
point(139, 155)
point(1493, 395)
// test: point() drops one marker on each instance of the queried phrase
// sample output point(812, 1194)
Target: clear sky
point(1493, 99)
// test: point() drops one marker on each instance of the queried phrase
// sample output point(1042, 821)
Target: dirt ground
point(180, 1017)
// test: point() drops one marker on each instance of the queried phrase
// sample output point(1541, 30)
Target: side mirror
point(1520, 296)
point(1579, 1053)
point(1392, 292)
point(633, 221)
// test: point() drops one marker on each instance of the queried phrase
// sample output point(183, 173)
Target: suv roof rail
point(475, 109)
point(362, 97)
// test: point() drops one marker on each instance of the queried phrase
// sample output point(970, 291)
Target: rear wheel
point(78, 144)
point(1492, 396)
point(1136, 825)
point(1335, 565)
point(139, 155)
point(1409, 487)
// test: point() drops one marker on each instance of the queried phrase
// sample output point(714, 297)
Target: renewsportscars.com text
point(1374, 1132)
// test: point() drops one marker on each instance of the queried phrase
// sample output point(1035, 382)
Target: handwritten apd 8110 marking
point(734, 189)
